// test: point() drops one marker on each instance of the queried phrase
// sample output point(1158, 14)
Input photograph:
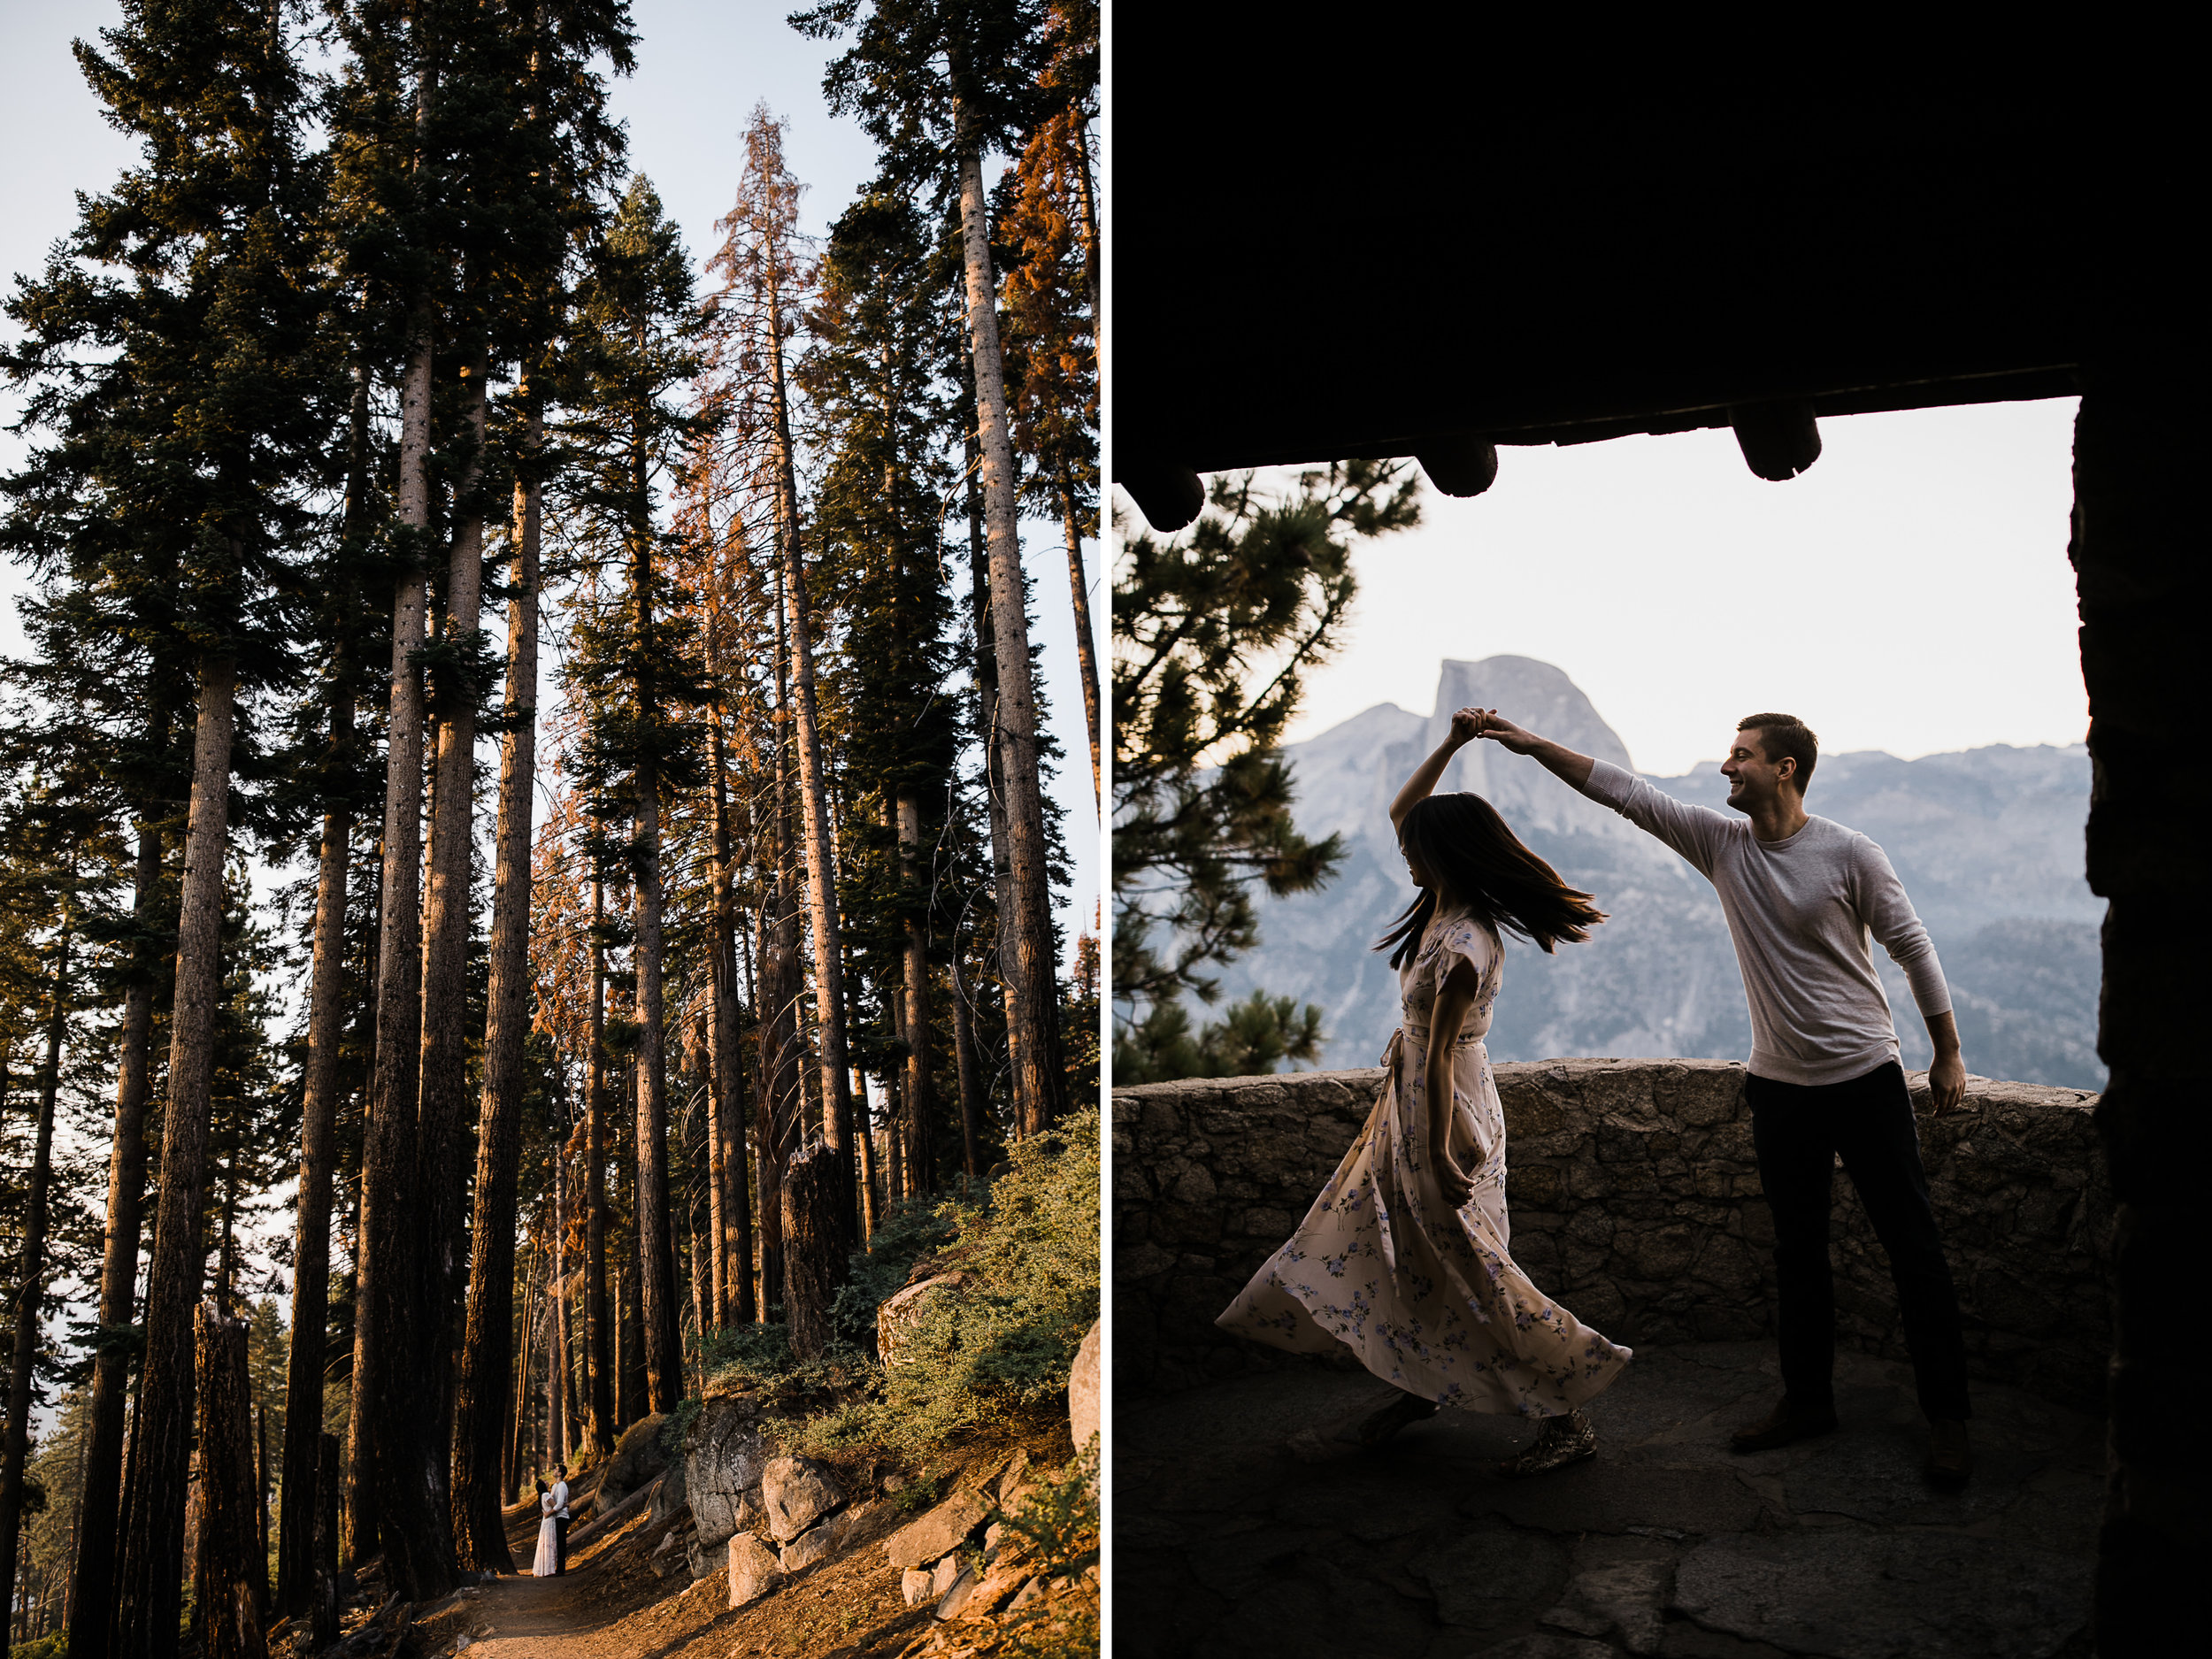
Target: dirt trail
point(609, 1605)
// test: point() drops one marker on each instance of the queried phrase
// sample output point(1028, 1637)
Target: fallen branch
point(629, 1506)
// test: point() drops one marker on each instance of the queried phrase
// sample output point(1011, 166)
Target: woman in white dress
point(549, 1556)
point(1403, 1257)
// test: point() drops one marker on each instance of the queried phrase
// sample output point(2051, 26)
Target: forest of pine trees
point(525, 831)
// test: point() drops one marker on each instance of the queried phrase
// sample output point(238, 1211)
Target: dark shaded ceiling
point(1439, 246)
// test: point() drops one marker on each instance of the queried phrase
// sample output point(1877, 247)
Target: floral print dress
point(1428, 1298)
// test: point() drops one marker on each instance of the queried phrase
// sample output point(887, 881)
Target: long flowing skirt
point(1429, 1298)
point(548, 1550)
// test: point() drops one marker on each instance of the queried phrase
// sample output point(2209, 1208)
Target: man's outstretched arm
point(1557, 758)
point(1692, 831)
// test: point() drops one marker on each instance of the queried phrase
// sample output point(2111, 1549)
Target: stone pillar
point(2141, 563)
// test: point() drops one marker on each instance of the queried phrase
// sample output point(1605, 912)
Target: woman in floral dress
point(1403, 1257)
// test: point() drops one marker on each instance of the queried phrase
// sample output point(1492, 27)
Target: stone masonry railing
point(1635, 1198)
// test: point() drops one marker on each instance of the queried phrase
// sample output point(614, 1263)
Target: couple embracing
point(1404, 1256)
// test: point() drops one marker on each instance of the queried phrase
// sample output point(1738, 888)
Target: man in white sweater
point(1802, 895)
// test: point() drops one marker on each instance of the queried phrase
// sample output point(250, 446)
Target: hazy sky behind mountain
point(1909, 593)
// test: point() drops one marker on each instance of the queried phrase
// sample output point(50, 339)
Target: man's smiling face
point(1753, 781)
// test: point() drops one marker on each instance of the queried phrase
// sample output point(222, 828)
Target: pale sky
point(1909, 593)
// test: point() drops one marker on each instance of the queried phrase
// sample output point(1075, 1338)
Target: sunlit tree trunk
point(440, 1157)
point(383, 1510)
point(598, 1336)
point(481, 1407)
point(1039, 1085)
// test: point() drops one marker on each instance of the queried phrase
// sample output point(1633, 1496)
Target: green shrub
point(1060, 1518)
point(995, 1353)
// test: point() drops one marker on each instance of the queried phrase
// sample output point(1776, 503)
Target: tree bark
point(479, 1417)
point(1085, 655)
point(921, 1162)
point(99, 1517)
point(387, 1432)
point(971, 1085)
point(815, 1186)
point(318, 1150)
point(737, 1241)
point(655, 1232)
point(598, 1336)
point(153, 1572)
point(821, 870)
point(228, 1574)
point(442, 1104)
point(994, 767)
point(30, 1275)
point(323, 1612)
point(1039, 1086)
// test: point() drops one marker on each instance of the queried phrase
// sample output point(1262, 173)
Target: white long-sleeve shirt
point(1799, 911)
point(560, 1499)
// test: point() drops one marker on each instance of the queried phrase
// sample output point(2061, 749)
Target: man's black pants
point(1799, 1132)
point(560, 1544)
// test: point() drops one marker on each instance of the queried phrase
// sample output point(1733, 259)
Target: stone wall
point(1635, 1198)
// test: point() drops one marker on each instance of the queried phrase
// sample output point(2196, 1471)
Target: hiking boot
point(1402, 1413)
point(1782, 1426)
point(1565, 1440)
point(1950, 1459)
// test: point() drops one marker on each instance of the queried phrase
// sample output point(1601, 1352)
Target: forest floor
point(611, 1605)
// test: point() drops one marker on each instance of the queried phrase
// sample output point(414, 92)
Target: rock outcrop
point(896, 1317)
point(637, 1458)
point(1083, 1388)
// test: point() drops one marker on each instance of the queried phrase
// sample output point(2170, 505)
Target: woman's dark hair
point(538, 1480)
point(1471, 856)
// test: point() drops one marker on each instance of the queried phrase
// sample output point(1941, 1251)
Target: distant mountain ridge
point(1988, 843)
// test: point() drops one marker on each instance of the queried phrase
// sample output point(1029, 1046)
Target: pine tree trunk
point(323, 1610)
point(734, 1219)
point(558, 1425)
point(1085, 655)
point(630, 1362)
point(1039, 1086)
point(1086, 189)
point(965, 1067)
point(440, 1156)
point(318, 1146)
point(99, 1517)
point(821, 868)
point(227, 1573)
point(153, 1570)
point(993, 772)
point(921, 1157)
point(655, 1234)
point(389, 1443)
point(480, 1408)
point(715, 1308)
point(814, 1188)
point(30, 1277)
point(598, 1334)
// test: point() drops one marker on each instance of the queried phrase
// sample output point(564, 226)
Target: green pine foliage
point(1213, 632)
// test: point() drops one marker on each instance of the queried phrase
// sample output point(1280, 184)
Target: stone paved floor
point(1243, 1525)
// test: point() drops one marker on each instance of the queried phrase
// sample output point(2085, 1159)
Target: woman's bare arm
point(1564, 762)
point(1453, 998)
point(1465, 727)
